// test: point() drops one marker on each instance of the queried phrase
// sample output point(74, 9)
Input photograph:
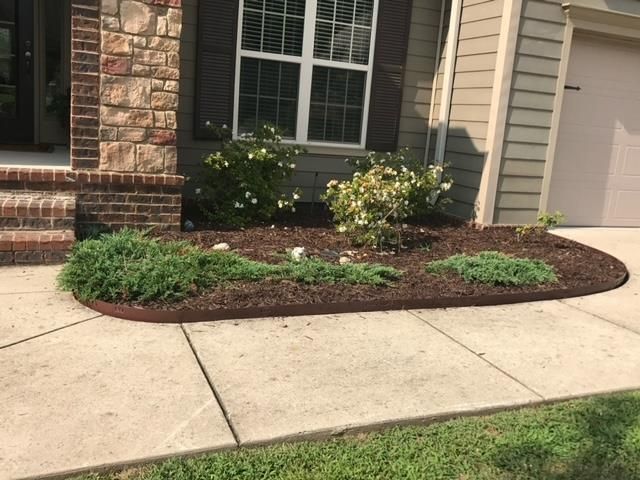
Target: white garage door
point(596, 172)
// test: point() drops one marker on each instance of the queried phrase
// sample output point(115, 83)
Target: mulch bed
point(576, 265)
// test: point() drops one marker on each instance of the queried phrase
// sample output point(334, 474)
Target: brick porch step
point(37, 211)
point(35, 247)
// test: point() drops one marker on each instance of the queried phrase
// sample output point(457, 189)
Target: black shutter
point(215, 65)
point(392, 38)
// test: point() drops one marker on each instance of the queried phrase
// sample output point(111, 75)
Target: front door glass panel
point(8, 60)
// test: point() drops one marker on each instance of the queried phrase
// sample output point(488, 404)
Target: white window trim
point(307, 62)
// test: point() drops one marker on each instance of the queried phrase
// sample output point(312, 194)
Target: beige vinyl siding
point(418, 79)
point(528, 128)
point(471, 100)
point(314, 171)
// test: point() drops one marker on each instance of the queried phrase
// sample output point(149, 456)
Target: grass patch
point(594, 439)
point(130, 266)
point(495, 268)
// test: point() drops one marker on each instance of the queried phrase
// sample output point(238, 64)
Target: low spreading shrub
point(494, 268)
point(242, 182)
point(131, 267)
point(386, 189)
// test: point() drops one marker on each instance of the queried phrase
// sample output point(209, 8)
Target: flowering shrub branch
point(386, 189)
point(242, 182)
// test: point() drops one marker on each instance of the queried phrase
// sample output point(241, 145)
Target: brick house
point(104, 103)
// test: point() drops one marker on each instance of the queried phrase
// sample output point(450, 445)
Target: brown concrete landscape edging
point(139, 314)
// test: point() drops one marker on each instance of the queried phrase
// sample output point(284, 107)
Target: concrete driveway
point(81, 391)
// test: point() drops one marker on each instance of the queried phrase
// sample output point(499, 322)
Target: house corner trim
point(507, 45)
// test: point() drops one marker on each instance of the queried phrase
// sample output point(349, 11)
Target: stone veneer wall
point(139, 85)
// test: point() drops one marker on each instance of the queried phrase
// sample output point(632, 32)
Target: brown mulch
point(576, 265)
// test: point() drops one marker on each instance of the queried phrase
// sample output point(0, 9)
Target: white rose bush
point(242, 182)
point(386, 189)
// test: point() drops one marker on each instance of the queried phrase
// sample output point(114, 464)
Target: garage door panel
point(594, 206)
point(626, 204)
point(583, 106)
point(631, 163)
point(596, 159)
point(596, 172)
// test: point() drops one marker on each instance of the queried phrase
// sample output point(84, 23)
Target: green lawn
point(598, 438)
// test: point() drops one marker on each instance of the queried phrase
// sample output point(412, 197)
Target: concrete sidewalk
point(80, 390)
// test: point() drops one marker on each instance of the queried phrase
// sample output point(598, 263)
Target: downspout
point(447, 87)
point(436, 74)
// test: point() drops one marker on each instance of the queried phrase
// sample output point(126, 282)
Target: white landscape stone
point(298, 254)
point(222, 247)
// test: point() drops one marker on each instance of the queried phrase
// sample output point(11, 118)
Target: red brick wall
point(85, 83)
point(107, 200)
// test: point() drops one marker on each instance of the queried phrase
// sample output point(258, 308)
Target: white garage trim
point(557, 113)
point(582, 16)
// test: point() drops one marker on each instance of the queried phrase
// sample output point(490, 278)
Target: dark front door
point(16, 71)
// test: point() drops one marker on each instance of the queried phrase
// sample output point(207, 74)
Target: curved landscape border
point(139, 314)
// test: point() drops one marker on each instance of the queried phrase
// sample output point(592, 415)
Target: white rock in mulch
point(344, 260)
point(298, 254)
point(221, 247)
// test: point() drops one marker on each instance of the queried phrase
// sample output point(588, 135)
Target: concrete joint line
point(599, 317)
point(213, 388)
point(2, 347)
point(481, 357)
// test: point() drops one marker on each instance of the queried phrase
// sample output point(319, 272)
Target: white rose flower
point(247, 195)
point(264, 150)
point(254, 201)
point(251, 156)
point(296, 196)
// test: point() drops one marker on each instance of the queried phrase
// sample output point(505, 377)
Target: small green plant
point(494, 268)
point(546, 221)
point(386, 189)
point(242, 182)
point(129, 266)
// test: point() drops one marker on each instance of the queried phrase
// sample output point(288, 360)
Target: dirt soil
point(576, 265)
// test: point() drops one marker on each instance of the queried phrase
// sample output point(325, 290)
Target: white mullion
point(236, 87)
point(353, 30)
point(284, 27)
point(306, 72)
point(264, 18)
point(367, 93)
point(333, 28)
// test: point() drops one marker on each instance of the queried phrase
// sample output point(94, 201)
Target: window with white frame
point(305, 66)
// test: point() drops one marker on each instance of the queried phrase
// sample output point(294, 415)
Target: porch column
point(125, 86)
point(139, 85)
point(85, 83)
